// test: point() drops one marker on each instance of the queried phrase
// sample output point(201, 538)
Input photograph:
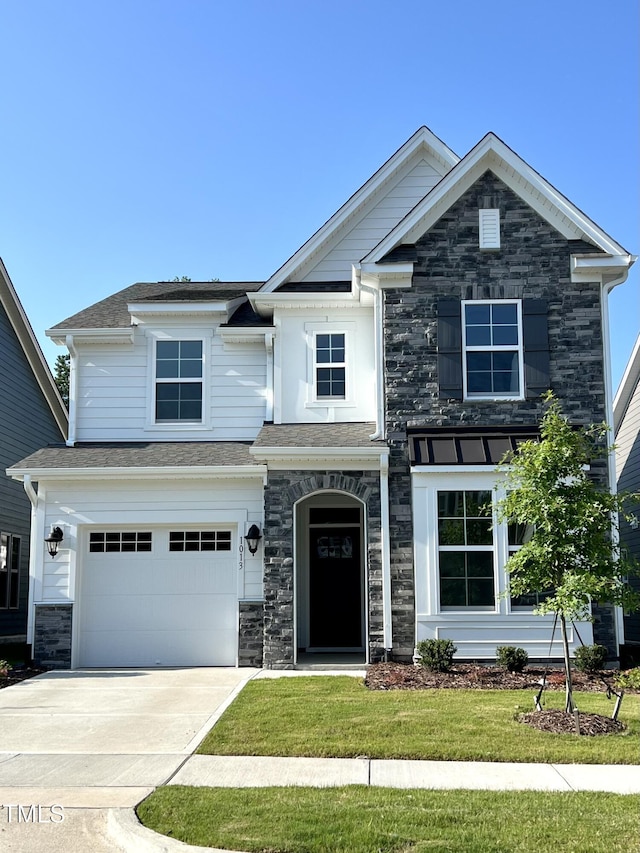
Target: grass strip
point(358, 819)
point(336, 716)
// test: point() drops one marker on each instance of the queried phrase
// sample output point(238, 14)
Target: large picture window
point(492, 342)
point(465, 550)
point(9, 571)
point(178, 386)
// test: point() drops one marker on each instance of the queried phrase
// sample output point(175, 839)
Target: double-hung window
point(465, 550)
point(492, 349)
point(178, 381)
point(9, 571)
point(330, 366)
point(517, 536)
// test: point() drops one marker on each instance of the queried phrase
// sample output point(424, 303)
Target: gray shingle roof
point(111, 313)
point(155, 454)
point(317, 435)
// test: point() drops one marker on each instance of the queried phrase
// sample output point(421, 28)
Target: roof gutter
point(147, 473)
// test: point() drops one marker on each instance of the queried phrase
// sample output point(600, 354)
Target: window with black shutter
point(493, 349)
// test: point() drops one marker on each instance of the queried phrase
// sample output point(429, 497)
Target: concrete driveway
point(97, 739)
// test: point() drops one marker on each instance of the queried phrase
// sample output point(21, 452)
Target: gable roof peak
point(422, 141)
point(493, 153)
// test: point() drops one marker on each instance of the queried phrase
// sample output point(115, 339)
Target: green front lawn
point(379, 820)
point(336, 716)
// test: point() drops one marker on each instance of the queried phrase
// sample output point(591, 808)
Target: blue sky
point(147, 139)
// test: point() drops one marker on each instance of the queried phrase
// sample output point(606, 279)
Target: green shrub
point(511, 658)
point(630, 678)
point(590, 658)
point(4, 667)
point(436, 655)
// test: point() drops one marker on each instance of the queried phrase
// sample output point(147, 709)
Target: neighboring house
point(353, 408)
point(31, 415)
point(626, 420)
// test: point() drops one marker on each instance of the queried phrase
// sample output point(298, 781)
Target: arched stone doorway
point(330, 574)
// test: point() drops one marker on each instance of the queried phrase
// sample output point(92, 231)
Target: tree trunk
point(569, 706)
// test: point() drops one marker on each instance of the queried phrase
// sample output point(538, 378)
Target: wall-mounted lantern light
point(253, 538)
point(53, 540)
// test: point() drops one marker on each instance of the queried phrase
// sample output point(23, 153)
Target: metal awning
point(466, 445)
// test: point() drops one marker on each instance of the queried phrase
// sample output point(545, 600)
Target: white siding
point(380, 215)
point(294, 367)
point(115, 391)
point(143, 504)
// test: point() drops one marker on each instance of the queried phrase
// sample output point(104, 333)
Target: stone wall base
point(52, 640)
point(251, 634)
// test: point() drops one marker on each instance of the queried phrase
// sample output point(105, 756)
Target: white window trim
point(492, 348)
point(492, 549)
point(312, 330)
point(425, 487)
point(205, 336)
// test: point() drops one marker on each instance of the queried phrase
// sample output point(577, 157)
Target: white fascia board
point(151, 473)
point(140, 310)
point(422, 138)
point(264, 304)
point(492, 153)
point(585, 267)
point(245, 334)
point(91, 336)
point(322, 463)
point(319, 456)
point(387, 275)
point(460, 469)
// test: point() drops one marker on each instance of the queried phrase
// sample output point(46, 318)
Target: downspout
point(387, 627)
point(378, 347)
point(33, 551)
point(31, 492)
point(73, 389)
point(268, 343)
point(608, 396)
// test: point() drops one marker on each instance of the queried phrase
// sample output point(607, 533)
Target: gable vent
point(489, 228)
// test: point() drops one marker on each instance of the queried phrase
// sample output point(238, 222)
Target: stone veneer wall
point(534, 263)
point(52, 639)
point(250, 633)
point(283, 490)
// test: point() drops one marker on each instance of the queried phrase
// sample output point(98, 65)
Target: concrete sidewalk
point(261, 771)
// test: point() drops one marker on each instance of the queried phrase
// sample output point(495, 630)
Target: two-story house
point(32, 414)
point(259, 471)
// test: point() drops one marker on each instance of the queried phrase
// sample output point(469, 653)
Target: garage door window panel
point(200, 540)
point(113, 542)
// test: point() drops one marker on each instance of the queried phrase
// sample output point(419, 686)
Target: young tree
point(61, 377)
point(573, 555)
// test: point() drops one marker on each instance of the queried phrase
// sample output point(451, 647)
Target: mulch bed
point(560, 722)
point(468, 676)
point(15, 676)
point(398, 676)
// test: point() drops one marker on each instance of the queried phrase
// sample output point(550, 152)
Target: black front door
point(335, 588)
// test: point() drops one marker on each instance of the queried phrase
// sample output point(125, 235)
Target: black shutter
point(449, 349)
point(536, 346)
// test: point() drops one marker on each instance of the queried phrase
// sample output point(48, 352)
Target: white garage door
point(158, 597)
